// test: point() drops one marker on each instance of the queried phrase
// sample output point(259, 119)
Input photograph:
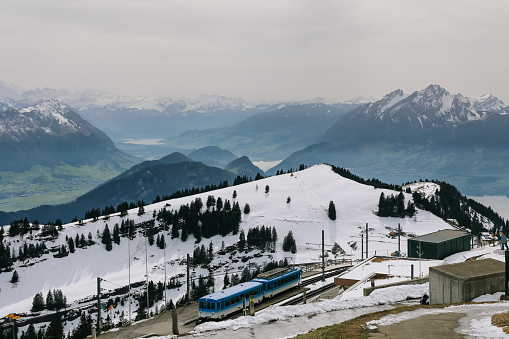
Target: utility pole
point(187, 277)
point(419, 253)
point(362, 245)
point(323, 256)
point(164, 242)
point(98, 305)
point(146, 269)
point(367, 252)
point(129, 260)
point(399, 240)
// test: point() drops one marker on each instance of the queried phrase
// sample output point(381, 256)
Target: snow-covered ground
point(310, 192)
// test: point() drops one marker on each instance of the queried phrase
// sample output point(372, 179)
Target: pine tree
point(71, 244)
point(226, 280)
point(31, 334)
point(116, 234)
point(106, 238)
point(242, 240)
point(15, 277)
point(50, 302)
point(332, 211)
point(247, 209)
point(55, 329)
point(234, 195)
point(289, 242)
point(38, 302)
point(267, 188)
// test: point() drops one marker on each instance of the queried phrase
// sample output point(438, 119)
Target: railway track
point(310, 294)
point(318, 277)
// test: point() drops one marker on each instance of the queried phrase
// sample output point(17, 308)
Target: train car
point(219, 304)
point(279, 280)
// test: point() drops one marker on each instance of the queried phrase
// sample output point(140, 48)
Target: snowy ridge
point(50, 117)
point(310, 191)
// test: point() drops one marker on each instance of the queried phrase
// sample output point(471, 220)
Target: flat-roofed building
point(465, 281)
point(438, 245)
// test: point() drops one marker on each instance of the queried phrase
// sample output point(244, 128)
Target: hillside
point(310, 192)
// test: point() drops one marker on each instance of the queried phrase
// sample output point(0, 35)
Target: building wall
point(438, 250)
point(446, 290)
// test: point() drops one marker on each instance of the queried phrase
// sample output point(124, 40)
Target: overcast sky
point(276, 49)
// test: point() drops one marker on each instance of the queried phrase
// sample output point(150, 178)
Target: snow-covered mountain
point(295, 202)
point(310, 190)
point(399, 115)
point(48, 133)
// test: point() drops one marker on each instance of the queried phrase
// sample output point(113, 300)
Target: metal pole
point(187, 277)
point(98, 305)
point(399, 240)
point(129, 260)
point(367, 252)
point(412, 271)
point(146, 268)
point(323, 256)
point(362, 245)
point(164, 240)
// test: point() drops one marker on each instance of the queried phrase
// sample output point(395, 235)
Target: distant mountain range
point(269, 135)
point(428, 134)
point(50, 133)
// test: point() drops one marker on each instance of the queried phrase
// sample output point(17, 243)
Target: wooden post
point(93, 332)
point(175, 323)
point(304, 297)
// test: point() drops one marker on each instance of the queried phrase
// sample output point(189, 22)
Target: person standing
point(503, 241)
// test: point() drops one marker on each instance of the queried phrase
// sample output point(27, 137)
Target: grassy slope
point(48, 186)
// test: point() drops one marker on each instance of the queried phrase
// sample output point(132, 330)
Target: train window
point(237, 299)
point(213, 306)
point(227, 303)
point(203, 305)
point(246, 295)
point(208, 306)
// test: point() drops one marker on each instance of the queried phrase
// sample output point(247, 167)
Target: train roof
point(277, 272)
point(230, 291)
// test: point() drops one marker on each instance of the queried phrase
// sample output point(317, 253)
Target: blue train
point(220, 304)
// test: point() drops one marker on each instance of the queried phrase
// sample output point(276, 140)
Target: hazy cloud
point(256, 49)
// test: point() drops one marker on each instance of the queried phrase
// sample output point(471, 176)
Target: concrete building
point(465, 281)
point(438, 245)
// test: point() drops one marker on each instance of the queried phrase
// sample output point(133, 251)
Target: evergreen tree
point(234, 195)
point(106, 238)
point(55, 329)
point(116, 234)
point(247, 209)
point(267, 188)
point(31, 334)
point(38, 302)
point(50, 302)
point(226, 280)
point(332, 211)
point(15, 277)
point(242, 240)
point(71, 244)
point(219, 204)
point(289, 243)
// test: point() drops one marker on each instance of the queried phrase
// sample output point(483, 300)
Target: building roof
point(471, 269)
point(440, 236)
point(234, 290)
point(275, 273)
